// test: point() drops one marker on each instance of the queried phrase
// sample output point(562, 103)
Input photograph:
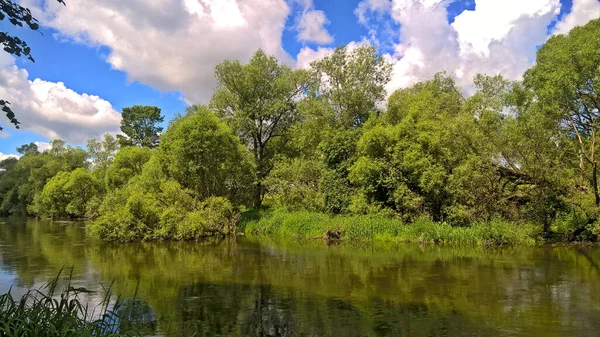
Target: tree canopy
point(329, 140)
point(140, 125)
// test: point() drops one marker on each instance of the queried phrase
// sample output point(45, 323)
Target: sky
point(93, 58)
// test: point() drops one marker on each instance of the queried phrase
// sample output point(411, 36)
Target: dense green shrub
point(202, 153)
point(135, 212)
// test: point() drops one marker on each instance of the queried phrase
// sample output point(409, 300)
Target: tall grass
point(47, 312)
point(307, 225)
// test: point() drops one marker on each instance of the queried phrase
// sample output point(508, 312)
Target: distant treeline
point(319, 140)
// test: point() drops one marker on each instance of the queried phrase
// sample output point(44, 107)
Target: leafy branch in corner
point(19, 16)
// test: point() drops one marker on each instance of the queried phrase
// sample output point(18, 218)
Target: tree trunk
point(258, 194)
point(258, 188)
point(595, 182)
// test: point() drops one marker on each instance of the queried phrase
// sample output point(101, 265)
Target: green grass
point(307, 226)
point(45, 312)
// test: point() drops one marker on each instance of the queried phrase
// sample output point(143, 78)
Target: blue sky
point(141, 53)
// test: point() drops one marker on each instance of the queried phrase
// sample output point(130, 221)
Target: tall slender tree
point(566, 82)
point(259, 100)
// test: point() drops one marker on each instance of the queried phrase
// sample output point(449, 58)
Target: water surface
point(252, 287)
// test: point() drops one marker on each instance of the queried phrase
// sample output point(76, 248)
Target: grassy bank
point(309, 226)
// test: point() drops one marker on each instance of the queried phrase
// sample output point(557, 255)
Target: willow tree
point(352, 82)
point(566, 81)
point(259, 100)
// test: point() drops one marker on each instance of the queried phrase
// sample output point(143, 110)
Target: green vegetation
point(47, 312)
point(356, 228)
point(312, 151)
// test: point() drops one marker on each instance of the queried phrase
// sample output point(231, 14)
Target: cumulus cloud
point(6, 156)
point(311, 27)
point(51, 109)
point(367, 7)
point(307, 55)
point(582, 12)
point(171, 44)
point(43, 146)
point(496, 37)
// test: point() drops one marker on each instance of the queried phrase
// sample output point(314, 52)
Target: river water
point(249, 287)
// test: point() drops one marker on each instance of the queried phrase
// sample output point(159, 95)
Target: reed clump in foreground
point(49, 312)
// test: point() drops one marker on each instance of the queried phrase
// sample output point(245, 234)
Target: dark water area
point(249, 287)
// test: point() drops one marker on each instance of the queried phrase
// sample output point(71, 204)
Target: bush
point(134, 213)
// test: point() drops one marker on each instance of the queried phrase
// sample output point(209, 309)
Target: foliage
point(259, 101)
point(67, 194)
point(153, 207)
point(318, 143)
point(140, 126)
point(294, 184)
point(203, 154)
point(566, 83)
point(352, 82)
point(128, 163)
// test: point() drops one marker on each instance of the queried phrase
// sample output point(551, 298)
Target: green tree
point(102, 153)
point(141, 126)
point(566, 82)
point(259, 100)
point(203, 154)
point(27, 149)
point(18, 16)
point(352, 83)
point(81, 188)
point(128, 163)
point(404, 162)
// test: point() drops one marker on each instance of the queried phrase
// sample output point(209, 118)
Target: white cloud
point(6, 156)
point(307, 55)
point(43, 146)
point(51, 109)
point(492, 20)
point(581, 12)
point(367, 7)
point(497, 37)
point(171, 44)
point(311, 27)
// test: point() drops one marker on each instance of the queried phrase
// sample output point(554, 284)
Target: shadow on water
point(262, 288)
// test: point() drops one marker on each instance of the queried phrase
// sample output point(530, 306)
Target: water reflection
point(260, 288)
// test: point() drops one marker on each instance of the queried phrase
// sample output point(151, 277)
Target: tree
point(259, 100)
point(102, 153)
point(352, 81)
point(404, 163)
point(18, 16)
point(566, 82)
point(30, 148)
point(128, 163)
point(140, 124)
point(203, 154)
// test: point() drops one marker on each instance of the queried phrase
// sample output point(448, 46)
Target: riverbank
point(312, 226)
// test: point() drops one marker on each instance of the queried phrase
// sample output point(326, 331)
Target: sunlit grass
point(307, 225)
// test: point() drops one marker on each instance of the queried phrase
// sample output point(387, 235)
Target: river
point(250, 287)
